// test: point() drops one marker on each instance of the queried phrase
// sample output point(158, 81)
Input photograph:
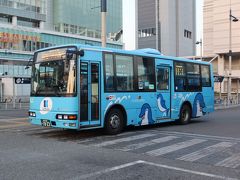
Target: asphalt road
point(208, 148)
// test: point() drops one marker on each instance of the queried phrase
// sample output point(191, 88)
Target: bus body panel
point(47, 108)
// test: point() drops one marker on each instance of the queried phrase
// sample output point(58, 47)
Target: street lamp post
point(201, 48)
point(103, 15)
point(234, 19)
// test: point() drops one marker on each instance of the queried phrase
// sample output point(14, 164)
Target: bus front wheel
point(185, 115)
point(114, 122)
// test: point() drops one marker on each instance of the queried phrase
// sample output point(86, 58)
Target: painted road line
point(231, 162)
point(199, 173)
point(206, 151)
point(131, 138)
point(202, 136)
point(14, 119)
point(85, 176)
point(115, 168)
point(174, 147)
point(14, 125)
point(147, 143)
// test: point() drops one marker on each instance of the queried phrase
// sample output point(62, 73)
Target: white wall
point(21, 90)
point(130, 24)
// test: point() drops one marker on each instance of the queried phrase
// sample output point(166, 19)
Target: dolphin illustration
point(146, 115)
point(198, 106)
point(162, 105)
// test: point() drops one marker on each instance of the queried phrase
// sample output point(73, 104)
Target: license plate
point(46, 123)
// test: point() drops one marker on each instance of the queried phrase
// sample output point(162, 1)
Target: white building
point(168, 26)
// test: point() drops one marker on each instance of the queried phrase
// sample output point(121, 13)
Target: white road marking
point(231, 162)
point(174, 147)
point(131, 138)
point(108, 170)
point(147, 143)
point(13, 120)
point(206, 151)
point(190, 171)
point(210, 137)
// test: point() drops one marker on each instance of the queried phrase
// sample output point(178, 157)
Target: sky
point(199, 22)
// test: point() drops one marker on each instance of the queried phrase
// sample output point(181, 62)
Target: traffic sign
point(20, 80)
point(218, 78)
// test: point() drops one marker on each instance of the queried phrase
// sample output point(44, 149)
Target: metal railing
point(223, 101)
point(7, 103)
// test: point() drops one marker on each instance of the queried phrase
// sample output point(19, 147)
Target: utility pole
point(103, 16)
point(234, 19)
point(201, 48)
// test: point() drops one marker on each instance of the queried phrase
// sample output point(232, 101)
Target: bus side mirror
point(71, 52)
point(81, 52)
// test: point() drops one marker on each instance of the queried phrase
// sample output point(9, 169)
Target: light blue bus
point(85, 87)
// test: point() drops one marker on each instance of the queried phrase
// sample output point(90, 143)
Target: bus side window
point(145, 74)
point(109, 72)
point(180, 76)
point(124, 73)
point(180, 84)
point(162, 79)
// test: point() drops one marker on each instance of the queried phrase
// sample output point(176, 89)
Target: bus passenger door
point(163, 93)
point(89, 94)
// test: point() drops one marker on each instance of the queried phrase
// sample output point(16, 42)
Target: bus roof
point(139, 52)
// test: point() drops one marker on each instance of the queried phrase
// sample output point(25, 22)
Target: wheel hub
point(115, 121)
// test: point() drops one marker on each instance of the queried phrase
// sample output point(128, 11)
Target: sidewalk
point(222, 106)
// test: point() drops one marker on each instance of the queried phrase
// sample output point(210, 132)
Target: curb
point(227, 107)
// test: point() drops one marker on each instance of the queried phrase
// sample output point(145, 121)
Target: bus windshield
point(55, 76)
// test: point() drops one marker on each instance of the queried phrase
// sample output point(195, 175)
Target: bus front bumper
point(55, 123)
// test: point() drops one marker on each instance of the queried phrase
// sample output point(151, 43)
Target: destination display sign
point(179, 70)
point(52, 55)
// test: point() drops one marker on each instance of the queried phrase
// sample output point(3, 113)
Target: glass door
point(163, 92)
point(89, 93)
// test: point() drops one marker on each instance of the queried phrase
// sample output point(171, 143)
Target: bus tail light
point(66, 116)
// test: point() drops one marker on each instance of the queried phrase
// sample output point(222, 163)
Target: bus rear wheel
point(114, 122)
point(185, 115)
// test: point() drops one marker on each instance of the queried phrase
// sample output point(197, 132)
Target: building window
point(28, 23)
point(65, 28)
point(146, 32)
point(145, 74)
point(5, 19)
point(187, 34)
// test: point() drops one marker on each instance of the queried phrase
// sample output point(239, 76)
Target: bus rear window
point(205, 72)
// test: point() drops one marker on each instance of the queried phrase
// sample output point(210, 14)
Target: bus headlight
point(66, 116)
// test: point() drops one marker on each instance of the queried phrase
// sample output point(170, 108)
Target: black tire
point(114, 122)
point(185, 115)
